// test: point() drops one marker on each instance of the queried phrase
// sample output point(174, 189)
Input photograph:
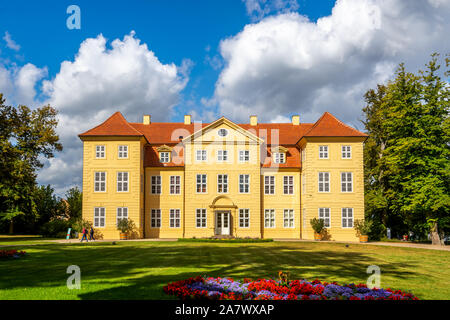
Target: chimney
point(187, 119)
point(146, 119)
point(295, 120)
point(253, 120)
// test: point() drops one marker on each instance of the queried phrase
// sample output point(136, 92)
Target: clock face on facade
point(222, 132)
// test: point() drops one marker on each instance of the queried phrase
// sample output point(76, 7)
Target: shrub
point(363, 227)
point(125, 225)
point(317, 225)
point(56, 228)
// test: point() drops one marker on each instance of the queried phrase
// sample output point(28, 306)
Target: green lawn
point(139, 270)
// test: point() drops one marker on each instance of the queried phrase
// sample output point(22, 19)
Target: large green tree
point(26, 138)
point(407, 153)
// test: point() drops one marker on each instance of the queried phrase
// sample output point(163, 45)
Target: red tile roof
point(329, 126)
point(286, 134)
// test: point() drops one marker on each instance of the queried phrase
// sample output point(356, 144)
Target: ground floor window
point(244, 218)
point(324, 214)
point(174, 218)
point(99, 217)
point(201, 218)
point(122, 213)
point(347, 217)
point(156, 218)
point(269, 218)
point(288, 218)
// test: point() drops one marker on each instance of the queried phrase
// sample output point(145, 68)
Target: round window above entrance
point(222, 132)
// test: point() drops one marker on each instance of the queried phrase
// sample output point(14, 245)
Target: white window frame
point(122, 151)
point(201, 218)
point(269, 218)
point(122, 183)
point(269, 185)
point(203, 182)
point(279, 157)
point(244, 183)
point(222, 183)
point(346, 216)
point(100, 181)
point(174, 218)
point(323, 215)
point(288, 218)
point(222, 155)
point(289, 184)
point(155, 218)
point(244, 156)
point(100, 154)
point(244, 218)
point(164, 157)
point(323, 152)
point(155, 185)
point(201, 155)
point(346, 152)
point(175, 185)
point(324, 182)
point(99, 214)
point(121, 213)
point(346, 186)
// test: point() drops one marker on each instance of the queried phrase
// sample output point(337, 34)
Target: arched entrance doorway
point(224, 213)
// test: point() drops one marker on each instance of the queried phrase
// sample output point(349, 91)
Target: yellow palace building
point(191, 179)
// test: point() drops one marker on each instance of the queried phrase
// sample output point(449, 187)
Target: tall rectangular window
point(100, 152)
point(244, 218)
point(122, 213)
point(99, 217)
point(288, 218)
point(174, 218)
point(244, 183)
point(346, 152)
point(288, 184)
point(244, 156)
point(201, 218)
point(279, 157)
point(324, 214)
point(346, 182)
point(347, 217)
point(156, 184)
point(175, 184)
point(269, 184)
point(99, 181)
point(324, 182)
point(269, 218)
point(222, 155)
point(122, 181)
point(164, 157)
point(222, 183)
point(123, 152)
point(323, 152)
point(156, 218)
point(201, 183)
point(200, 155)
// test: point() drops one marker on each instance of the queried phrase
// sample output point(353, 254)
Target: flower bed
point(268, 289)
point(11, 254)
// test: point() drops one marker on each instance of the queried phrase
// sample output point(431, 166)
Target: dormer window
point(279, 154)
point(164, 153)
point(164, 157)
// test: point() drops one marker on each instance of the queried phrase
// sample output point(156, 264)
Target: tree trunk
point(11, 227)
point(435, 240)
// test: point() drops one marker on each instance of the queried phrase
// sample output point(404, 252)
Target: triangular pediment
point(222, 130)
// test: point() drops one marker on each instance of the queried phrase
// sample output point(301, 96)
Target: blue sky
point(232, 58)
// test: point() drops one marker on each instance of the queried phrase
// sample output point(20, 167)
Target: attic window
point(222, 132)
point(164, 157)
point(279, 157)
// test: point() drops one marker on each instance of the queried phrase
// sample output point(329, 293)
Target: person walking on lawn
point(91, 234)
point(84, 235)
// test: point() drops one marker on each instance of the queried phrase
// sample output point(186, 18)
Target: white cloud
point(257, 9)
point(10, 43)
point(286, 64)
point(127, 77)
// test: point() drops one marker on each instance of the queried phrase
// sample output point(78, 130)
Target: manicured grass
point(139, 270)
point(22, 239)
